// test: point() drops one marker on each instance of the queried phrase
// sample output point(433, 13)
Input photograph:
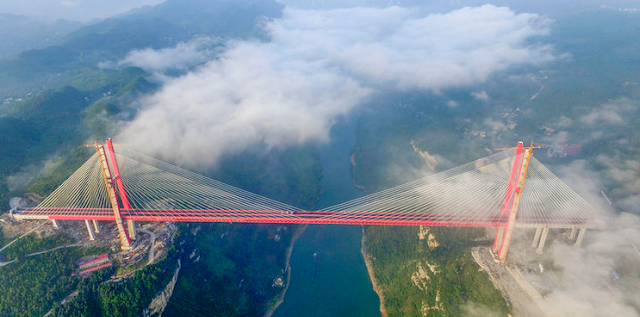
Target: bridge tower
point(511, 200)
point(113, 197)
point(120, 185)
point(508, 196)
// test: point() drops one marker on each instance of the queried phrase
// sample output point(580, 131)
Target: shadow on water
point(329, 276)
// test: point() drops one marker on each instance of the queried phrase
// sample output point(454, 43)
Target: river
point(329, 276)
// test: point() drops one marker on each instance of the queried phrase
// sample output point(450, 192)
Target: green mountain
point(60, 99)
point(77, 54)
point(224, 18)
point(596, 80)
point(54, 121)
point(19, 33)
point(52, 95)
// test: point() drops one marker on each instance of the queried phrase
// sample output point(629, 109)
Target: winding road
point(153, 241)
point(24, 235)
point(41, 252)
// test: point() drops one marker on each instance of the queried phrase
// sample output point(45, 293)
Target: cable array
point(158, 189)
point(468, 195)
point(465, 195)
point(546, 199)
point(82, 194)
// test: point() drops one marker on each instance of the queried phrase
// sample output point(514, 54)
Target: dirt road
point(152, 238)
point(523, 304)
point(45, 251)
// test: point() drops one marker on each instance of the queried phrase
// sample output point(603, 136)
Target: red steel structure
point(113, 197)
point(507, 201)
point(120, 186)
point(93, 269)
point(488, 192)
point(94, 262)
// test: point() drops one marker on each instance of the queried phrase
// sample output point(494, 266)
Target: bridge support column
point(572, 235)
point(96, 226)
point(543, 240)
point(536, 238)
point(132, 229)
point(55, 223)
point(498, 240)
point(580, 236)
point(91, 237)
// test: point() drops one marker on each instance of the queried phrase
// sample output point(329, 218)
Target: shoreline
point(372, 277)
point(280, 298)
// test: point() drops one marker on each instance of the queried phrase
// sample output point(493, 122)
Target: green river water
point(329, 276)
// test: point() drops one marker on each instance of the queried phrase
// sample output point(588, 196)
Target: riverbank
point(372, 277)
point(279, 299)
point(330, 277)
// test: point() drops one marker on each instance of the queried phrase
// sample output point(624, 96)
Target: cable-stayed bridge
point(126, 186)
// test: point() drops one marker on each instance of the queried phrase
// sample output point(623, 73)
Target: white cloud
point(396, 46)
point(68, 3)
point(609, 128)
point(563, 122)
point(562, 137)
point(181, 57)
point(317, 66)
point(480, 95)
point(582, 280)
point(475, 310)
point(610, 113)
point(20, 180)
point(587, 286)
point(494, 125)
point(623, 176)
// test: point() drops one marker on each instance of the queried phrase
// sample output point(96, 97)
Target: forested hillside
point(59, 99)
point(586, 99)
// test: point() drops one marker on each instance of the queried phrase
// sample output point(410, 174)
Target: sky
point(87, 10)
point(546, 7)
point(75, 10)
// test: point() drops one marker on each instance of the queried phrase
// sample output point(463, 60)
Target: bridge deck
point(469, 195)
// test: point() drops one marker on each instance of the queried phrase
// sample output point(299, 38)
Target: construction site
point(148, 246)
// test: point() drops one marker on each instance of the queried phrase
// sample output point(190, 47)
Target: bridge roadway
point(292, 217)
point(45, 251)
point(481, 193)
point(263, 216)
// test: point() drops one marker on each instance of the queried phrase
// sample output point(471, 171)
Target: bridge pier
point(498, 240)
point(96, 226)
point(580, 236)
point(132, 229)
point(572, 235)
point(91, 237)
point(536, 237)
point(543, 240)
point(55, 223)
